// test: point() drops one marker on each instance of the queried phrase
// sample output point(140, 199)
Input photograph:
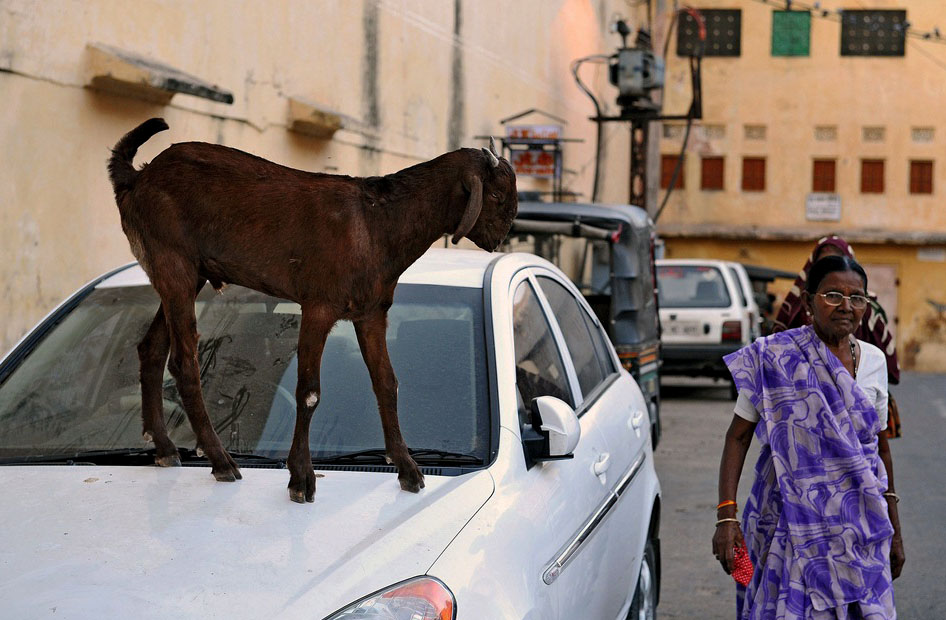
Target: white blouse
point(871, 377)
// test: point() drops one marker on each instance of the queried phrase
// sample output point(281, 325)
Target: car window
point(602, 345)
point(691, 286)
point(539, 367)
point(78, 390)
point(738, 282)
point(581, 344)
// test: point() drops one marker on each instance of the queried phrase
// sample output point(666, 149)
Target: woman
point(873, 327)
point(821, 523)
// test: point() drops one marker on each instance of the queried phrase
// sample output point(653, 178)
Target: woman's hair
point(830, 264)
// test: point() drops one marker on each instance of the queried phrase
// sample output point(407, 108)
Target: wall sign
point(820, 207)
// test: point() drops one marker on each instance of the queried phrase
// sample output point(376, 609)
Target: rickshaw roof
point(636, 217)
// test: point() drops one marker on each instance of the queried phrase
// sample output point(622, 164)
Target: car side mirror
point(554, 431)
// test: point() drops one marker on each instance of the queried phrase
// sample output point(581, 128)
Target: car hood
point(145, 542)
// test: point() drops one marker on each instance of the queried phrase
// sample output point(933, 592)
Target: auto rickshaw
point(608, 252)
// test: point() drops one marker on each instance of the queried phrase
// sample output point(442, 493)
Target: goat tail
point(120, 169)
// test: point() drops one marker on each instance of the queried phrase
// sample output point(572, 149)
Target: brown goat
point(334, 244)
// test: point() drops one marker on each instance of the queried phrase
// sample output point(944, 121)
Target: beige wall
point(408, 88)
point(790, 96)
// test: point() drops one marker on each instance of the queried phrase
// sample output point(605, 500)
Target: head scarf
point(873, 328)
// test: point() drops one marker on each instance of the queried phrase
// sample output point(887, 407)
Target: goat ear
point(473, 208)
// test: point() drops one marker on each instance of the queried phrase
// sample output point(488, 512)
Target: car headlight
point(420, 598)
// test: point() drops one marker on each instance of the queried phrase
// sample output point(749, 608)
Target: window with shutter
point(873, 32)
point(723, 33)
point(872, 176)
point(822, 177)
point(753, 174)
point(711, 173)
point(667, 164)
point(791, 33)
point(921, 177)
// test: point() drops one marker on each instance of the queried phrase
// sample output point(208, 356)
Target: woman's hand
point(897, 557)
point(727, 535)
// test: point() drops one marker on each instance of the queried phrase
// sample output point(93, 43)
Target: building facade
point(820, 120)
point(360, 88)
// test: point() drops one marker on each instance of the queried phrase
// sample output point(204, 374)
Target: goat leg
point(182, 323)
point(316, 324)
point(153, 356)
point(374, 350)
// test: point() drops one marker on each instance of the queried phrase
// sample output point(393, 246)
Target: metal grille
point(711, 173)
point(873, 33)
point(723, 33)
point(791, 33)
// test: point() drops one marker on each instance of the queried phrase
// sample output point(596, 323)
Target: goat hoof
point(411, 483)
point(302, 486)
point(172, 460)
point(227, 474)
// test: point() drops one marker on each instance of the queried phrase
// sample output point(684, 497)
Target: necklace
point(853, 358)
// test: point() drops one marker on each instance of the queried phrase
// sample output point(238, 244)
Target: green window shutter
point(791, 33)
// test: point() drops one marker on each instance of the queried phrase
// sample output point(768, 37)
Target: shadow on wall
point(926, 351)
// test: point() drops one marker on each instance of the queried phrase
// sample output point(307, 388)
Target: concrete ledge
point(126, 74)
point(753, 233)
point(311, 120)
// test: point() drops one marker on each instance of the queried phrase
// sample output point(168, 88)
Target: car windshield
point(78, 390)
point(691, 286)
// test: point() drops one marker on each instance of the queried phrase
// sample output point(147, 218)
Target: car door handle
point(637, 419)
point(603, 463)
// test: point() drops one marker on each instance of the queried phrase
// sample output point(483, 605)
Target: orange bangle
point(728, 502)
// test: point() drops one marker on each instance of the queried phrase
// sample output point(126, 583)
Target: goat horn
point(492, 158)
point(492, 147)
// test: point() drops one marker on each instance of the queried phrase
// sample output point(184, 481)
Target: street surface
point(695, 416)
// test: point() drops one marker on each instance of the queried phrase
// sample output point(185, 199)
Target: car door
point(611, 398)
point(566, 495)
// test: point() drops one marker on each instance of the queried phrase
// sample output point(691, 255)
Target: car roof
point(437, 266)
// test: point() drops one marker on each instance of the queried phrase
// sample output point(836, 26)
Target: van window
point(738, 282)
point(691, 286)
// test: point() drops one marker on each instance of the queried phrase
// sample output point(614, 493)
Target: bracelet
point(728, 502)
point(730, 519)
point(893, 495)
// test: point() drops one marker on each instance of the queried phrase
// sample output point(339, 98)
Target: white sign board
point(823, 207)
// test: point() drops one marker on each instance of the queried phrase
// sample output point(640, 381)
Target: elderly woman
point(872, 328)
point(821, 524)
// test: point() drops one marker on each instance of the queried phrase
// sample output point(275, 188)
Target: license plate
point(684, 329)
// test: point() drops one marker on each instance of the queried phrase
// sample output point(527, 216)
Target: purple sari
point(815, 523)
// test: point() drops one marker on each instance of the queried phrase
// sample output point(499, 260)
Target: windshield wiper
point(83, 457)
point(125, 456)
point(423, 456)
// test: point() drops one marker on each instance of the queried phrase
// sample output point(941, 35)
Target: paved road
point(695, 416)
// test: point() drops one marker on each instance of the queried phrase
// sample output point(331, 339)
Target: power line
point(837, 15)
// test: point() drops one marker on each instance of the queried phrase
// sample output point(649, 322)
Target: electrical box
point(637, 72)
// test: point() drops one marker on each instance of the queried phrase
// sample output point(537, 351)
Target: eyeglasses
point(858, 302)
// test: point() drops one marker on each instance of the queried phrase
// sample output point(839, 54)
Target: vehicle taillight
point(732, 331)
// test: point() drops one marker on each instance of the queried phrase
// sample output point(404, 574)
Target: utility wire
point(596, 58)
point(837, 16)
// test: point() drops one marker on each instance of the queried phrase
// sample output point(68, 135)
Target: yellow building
point(828, 120)
point(359, 88)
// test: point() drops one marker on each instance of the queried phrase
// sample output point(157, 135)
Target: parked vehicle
point(747, 298)
point(702, 314)
point(608, 252)
point(541, 497)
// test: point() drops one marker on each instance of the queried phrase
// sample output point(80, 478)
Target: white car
point(702, 316)
point(541, 497)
